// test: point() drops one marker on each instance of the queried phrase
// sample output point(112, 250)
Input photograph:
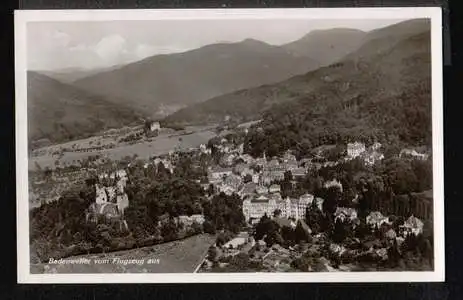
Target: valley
point(71, 153)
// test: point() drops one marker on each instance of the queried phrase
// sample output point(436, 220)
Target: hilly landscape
point(327, 46)
point(58, 112)
point(69, 75)
point(162, 84)
point(391, 71)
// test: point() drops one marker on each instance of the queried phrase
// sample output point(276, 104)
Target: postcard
point(229, 145)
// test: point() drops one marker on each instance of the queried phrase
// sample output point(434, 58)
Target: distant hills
point(58, 112)
point(70, 75)
point(327, 46)
point(245, 80)
point(388, 61)
point(161, 84)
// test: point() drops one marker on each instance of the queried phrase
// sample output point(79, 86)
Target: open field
point(181, 256)
point(192, 136)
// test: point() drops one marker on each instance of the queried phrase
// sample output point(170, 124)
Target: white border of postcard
point(24, 16)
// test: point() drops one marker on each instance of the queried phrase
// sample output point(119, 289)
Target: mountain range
point(245, 80)
point(160, 84)
point(70, 75)
point(387, 62)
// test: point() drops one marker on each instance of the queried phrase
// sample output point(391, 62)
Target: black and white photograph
point(221, 145)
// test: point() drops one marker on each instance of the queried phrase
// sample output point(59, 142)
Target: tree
point(288, 235)
point(301, 234)
point(288, 176)
point(208, 227)
point(212, 253)
point(339, 233)
point(247, 178)
point(393, 255)
point(222, 239)
point(362, 230)
point(263, 227)
point(169, 231)
point(273, 237)
point(331, 197)
point(314, 218)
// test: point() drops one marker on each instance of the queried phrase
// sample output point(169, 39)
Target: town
point(320, 213)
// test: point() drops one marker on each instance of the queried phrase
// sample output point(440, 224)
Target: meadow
point(181, 256)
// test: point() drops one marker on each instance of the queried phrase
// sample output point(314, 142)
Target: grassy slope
point(175, 257)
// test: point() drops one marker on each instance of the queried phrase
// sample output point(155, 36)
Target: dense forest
point(156, 196)
point(398, 122)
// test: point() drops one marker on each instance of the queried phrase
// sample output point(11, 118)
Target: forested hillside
point(382, 95)
point(58, 112)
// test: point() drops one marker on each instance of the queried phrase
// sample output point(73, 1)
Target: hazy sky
point(59, 45)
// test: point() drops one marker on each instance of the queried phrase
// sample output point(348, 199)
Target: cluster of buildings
point(190, 220)
point(376, 220)
point(254, 180)
point(370, 155)
point(412, 153)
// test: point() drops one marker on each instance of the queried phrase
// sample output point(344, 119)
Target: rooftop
point(217, 169)
point(260, 199)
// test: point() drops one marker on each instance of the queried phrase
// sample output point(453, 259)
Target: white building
point(345, 214)
point(319, 203)
point(101, 196)
point(121, 173)
point(122, 202)
point(155, 126)
point(412, 226)
point(189, 220)
point(274, 188)
point(261, 189)
point(111, 191)
point(226, 189)
point(376, 146)
point(203, 148)
point(413, 153)
point(376, 219)
point(355, 149)
point(373, 157)
point(219, 173)
point(333, 183)
point(255, 208)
